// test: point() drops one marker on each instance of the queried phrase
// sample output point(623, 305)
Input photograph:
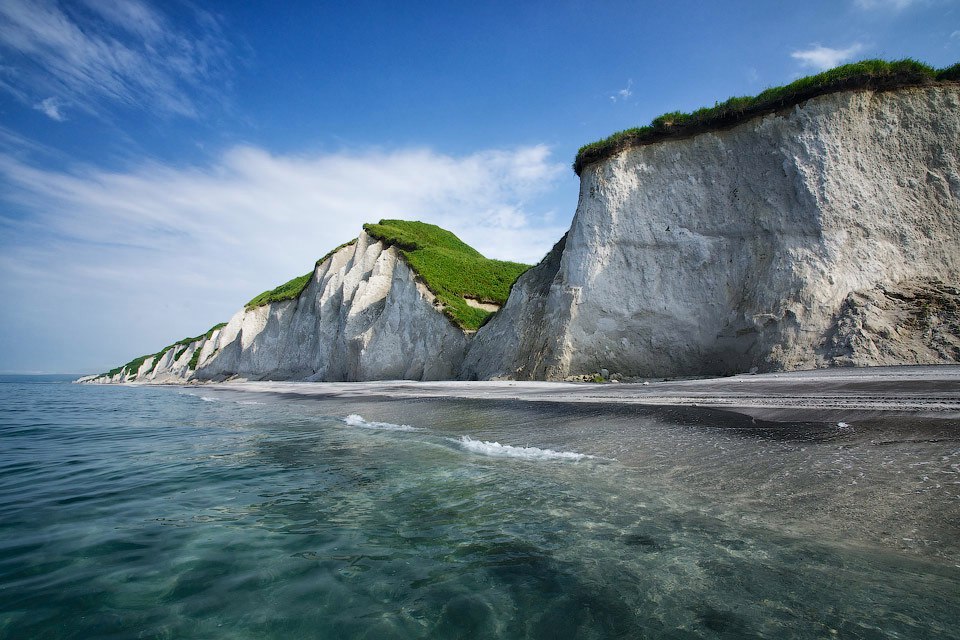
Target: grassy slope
point(868, 74)
point(450, 268)
point(134, 365)
point(287, 291)
point(291, 289)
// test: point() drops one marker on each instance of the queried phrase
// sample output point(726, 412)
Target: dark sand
point(820, 395)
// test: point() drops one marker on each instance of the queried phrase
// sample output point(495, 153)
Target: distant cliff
point(766, 245)
point(399, 302)
point(814, 225)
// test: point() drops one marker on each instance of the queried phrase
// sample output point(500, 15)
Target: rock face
point(827, 234)
point(363, 316)
point(517, 342)
point(740, 248)
point(915, 322)
point(172, 365)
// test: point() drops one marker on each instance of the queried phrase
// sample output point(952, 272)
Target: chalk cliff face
point(738, 248)
point(172, 365)
point(363, 316)
point(827, 234)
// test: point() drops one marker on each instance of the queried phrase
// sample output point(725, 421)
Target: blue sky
point(163, 162)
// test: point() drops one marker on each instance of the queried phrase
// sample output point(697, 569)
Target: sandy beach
point(825, 394)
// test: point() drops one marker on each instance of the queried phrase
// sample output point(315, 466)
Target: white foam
point(207, 399)
point(498, 450)
point(355, 420)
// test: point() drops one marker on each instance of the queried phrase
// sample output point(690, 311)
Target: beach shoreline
point(816, 395)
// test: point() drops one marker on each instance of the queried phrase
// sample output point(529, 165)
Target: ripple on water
point(143, 512)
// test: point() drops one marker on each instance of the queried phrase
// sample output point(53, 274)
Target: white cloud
point(895, 5)
point(823, 58)
point(624, 93)
point(101, 54)
point(51, 108)
point(131, 260)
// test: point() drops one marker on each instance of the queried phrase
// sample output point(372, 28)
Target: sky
point(162, 162)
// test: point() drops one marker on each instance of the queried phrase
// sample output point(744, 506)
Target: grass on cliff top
point(135, 364)
point(292, 289)
point(450, 268)
point(868, 74)
point(287, 291)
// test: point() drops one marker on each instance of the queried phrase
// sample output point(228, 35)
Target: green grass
point(133, 366)
point(450, 268)
point(181, 345)
point(195, 358)
point(292, 289)
point(334, 250)
point(869, 74)
point(287, 291)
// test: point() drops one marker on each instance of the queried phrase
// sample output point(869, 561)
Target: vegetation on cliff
point(451, 269)
point(181, 345)
point(292, 289)
point(877, 75)
point(195, 358)
point(287, 291)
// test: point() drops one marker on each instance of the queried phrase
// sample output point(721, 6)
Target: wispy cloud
point(138, 257)
point(823, 58)
point(51, 108)
point(895, 5)
point(624, 93)
point(100, 54)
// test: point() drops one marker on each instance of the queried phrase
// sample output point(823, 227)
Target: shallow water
point(162, 512)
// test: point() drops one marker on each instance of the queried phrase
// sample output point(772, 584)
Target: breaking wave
point(497, 450)
point(355, 420)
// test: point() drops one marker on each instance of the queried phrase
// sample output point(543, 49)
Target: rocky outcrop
point(914, 322)
point(517, 343)
point(738, 249)
point(364, 316)
point(173, 364)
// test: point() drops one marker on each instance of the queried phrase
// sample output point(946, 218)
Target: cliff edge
point(750, 247)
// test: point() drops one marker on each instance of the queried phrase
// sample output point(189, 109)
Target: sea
point(196, 512)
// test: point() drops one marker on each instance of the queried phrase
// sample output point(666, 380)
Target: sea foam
point(355, 420)
point(498, 450)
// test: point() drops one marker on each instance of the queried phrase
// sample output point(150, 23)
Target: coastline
point(816, 395)
point(863, 457)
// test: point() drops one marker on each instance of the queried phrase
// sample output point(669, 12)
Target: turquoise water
point(191, 513)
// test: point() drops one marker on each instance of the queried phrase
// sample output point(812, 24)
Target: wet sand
point(820, 395)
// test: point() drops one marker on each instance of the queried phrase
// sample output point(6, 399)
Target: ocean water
point(197, 513)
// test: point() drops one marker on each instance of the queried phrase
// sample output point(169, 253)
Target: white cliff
point(364, 315)
point(738, 248)
point(825, 234)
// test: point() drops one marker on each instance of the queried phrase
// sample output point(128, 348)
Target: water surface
point(166, 512)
